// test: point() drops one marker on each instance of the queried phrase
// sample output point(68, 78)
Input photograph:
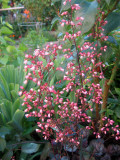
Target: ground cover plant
point(71, 100)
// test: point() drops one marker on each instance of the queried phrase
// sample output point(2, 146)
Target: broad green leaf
point(7, 155)
point(113, 22)
point(9, 39)
point(88, 12)
point(11, 49)
point(56, 19)
point(114, 101)
point(30, 148)
point(4, 130)
point(2, 144)
point(5, 30)
point(4, 60)
point(17, 120)
point(8, 24)
point(117, 91)
point(2, 40)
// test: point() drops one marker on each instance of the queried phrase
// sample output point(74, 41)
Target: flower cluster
point(66, 90)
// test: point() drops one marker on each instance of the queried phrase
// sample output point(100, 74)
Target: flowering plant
point(69, 92)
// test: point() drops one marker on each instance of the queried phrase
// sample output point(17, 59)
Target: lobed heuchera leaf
point(30, 148)
point(113, 22)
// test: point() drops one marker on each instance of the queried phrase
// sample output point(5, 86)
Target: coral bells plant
point(68, 96)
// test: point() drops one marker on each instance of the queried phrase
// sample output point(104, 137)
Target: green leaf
point(72, 96)
point(2, 144)
point(88, 12)
point(55, 20)
point(4, 86)
point(2, 94)
point(4, 130)
point(7, 155)
point(117, 91)
point(14, 95)
point(52, 81)
point(102, 111)
point(110, 112)
point(4, 60)
point(112, 40)
point(8, 25)
point(17, 120)
point(9, 39)
point(54, 1)
point(2, 40)
point(108, 2)
point(6, 108)
point(30, 148)
point(36, 154)
point(11, 49)
point(114, 101)
point(113, 22)
point(16, 105)
point(5, 30)
point(23, 156)
point(117, 111)
point(2, 120)
point(11, 86)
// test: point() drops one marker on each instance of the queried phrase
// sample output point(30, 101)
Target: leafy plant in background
point(15, 130)
point(10, 53)
point(4, 3)
point(42, 10)
point(35, 39)
point(72, 97)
